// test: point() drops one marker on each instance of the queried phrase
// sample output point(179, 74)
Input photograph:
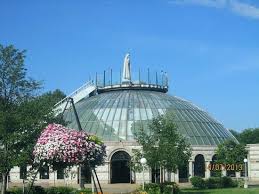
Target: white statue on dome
point(126, 77)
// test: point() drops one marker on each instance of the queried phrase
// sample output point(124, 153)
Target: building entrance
point(120, 170)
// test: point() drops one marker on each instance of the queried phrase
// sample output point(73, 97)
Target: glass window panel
point(111, 114)
point(136, 114)
point(130, 114)
point(100, 127)
point(160, 111)
point(155, 113)
point(115, 127)
point(124, 114)
point(117, 114)
point(199, 140)
point(143, 114)
point(95, 127)
point(130, 129)
point(187, 128)
point(105, 114)
point(149, 113)
point(197, 126)
point(123, 129)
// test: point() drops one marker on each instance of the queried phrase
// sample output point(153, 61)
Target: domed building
point(114, 111)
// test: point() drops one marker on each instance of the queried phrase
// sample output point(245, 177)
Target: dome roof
point(115, 115)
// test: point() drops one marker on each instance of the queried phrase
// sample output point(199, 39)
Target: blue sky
point(210, 48)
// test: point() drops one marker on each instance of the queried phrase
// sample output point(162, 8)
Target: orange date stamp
point(227, 167)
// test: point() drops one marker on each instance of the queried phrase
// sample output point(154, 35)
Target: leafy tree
point(247, 136)
point(22, 113)
point(164, 146)
point(234, 133)
point(231, 152)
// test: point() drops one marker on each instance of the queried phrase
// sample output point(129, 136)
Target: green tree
point(22, 113)
point(234, 133)
point(249, 136)
point(231, 152)
point(164, 146)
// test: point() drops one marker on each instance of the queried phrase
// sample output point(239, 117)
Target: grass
point(220, 191)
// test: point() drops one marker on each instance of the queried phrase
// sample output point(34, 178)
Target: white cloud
point(208, 3)
point(236, 6)
point(244, 9)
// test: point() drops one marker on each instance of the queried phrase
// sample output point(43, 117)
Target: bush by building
point(51, 190)
point(198, 182)
point(162, 188)
point(59, 190)
point(213, 182)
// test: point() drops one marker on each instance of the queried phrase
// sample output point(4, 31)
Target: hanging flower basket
point(59, 146)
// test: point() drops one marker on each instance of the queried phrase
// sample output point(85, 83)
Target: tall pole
point(76, 115)
point(143, 185)
point(96, 79)
point(245, 184)
point(104, 79)
point(148, 76)
point(156, 79)
point(143, 161)
point(111, 77)
point(81, 183)
point(139, 75)
point(120, 77)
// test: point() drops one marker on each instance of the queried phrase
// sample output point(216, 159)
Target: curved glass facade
point(115, 115)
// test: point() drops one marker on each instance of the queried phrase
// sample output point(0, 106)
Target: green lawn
point(224, 191)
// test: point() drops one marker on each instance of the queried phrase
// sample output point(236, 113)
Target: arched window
point(199, 166)
point(120, 170)
point(214, 172)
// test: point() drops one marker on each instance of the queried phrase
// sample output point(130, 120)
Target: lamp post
point(245, 184)
point(143, 161)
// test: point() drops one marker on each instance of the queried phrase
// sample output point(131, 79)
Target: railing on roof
point(109, 80)
point(141, 79)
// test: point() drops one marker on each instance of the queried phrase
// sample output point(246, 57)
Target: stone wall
point(253, 161)
point(112, 147)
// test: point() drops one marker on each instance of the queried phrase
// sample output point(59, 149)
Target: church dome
point(115, 115)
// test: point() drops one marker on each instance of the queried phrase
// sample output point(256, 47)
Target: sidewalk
point(119, 188)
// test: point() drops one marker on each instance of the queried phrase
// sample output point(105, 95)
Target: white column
point(177, 176)
point(224, 172)
point(238, 175)
point(207, 171)
point(173, 177)
point(191, 173)
point(52, 177)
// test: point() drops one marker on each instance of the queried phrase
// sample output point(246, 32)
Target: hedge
point(213, 182)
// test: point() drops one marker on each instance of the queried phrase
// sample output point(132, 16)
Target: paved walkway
point(117, 188)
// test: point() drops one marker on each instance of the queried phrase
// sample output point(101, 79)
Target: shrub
point(240, 183)
point(198, 182)
point(15, 191)
point(213, 182)
point(59, 190)
point(228, 182)
point(165, 188)
point(169, 187)
point(152, 188)
point(38, 190)
point(83, 191)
